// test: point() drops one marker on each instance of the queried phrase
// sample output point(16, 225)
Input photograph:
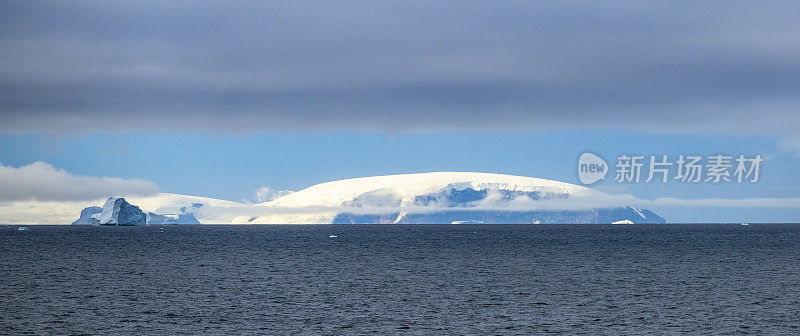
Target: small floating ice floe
point(625, 221)
point(333, 236)
point(22, 228)
point(467, 222)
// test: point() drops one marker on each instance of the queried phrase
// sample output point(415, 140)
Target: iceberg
point(118, 212)
point(170, 219)
point(88, 216)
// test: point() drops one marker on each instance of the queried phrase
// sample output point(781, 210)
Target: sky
point(211, 99)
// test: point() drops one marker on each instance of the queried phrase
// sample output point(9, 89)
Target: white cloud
point(585, 202)
point(41, 181)
point(791, 144)
point(266, 194)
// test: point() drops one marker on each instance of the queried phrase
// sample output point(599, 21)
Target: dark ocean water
point(416, 279)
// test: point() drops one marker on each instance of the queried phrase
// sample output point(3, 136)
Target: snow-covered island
point(425, 198)
point(445, 198)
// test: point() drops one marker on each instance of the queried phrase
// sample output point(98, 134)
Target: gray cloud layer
point(41, 181)
point(725, 66)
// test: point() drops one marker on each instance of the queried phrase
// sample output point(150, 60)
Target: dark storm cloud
point(675, 66)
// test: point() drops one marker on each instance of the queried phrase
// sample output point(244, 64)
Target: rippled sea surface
point(416, 279)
